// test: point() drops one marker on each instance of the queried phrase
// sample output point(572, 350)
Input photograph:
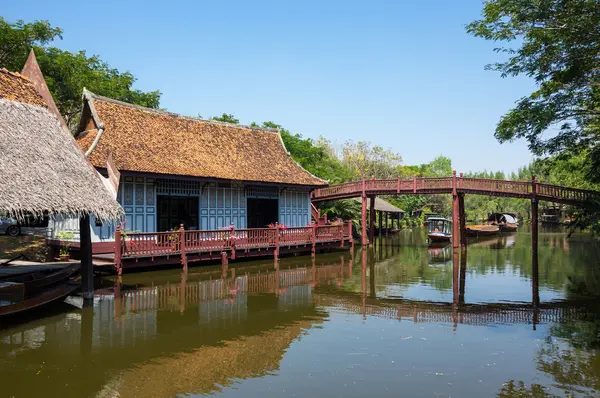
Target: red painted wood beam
point(372, 221)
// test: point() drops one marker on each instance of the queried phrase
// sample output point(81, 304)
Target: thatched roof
point(41, 167)
point(153, 141)
point(382, 205)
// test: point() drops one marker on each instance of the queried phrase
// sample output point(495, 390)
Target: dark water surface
point(396, 320)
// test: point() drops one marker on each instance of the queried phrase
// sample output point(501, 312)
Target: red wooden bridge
point(457, 186)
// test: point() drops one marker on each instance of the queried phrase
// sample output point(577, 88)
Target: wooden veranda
point(142, 249)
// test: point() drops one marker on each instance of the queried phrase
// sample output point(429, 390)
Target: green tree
point(227, 118)
point(316, 157)
point(557, 43)
point(16, 39)
point(67, 73)
point(367, 160)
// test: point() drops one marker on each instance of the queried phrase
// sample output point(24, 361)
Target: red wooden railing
point(483, 186)
point(181, 243)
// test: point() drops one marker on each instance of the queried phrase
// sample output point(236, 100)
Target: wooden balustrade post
point(276, 252)
point(232, 239)
point(398, 187)
point(182, 247)
point(118, 248)
point(460, 183)
point(341, 234)
point(313, 250)
point(415, 183)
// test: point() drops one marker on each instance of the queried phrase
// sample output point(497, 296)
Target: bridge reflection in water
point(154, 337)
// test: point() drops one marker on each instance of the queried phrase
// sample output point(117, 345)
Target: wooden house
point(204, 174)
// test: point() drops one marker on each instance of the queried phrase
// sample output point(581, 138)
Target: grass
point(31, 246)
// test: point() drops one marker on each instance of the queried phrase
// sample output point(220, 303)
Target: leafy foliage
point(18, 38)
point(67, 73)
point(557, 43)
point(227, 118)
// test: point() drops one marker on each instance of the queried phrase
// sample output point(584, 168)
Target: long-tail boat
point(482, 230)
point(505, 221)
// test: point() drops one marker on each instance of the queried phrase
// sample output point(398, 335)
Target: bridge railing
point(485, 184)
point(446, 184)
point(568, 194)
point(436, 183)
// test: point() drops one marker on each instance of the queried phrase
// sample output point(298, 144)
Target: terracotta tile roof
point(153, 141)
point(16, 87)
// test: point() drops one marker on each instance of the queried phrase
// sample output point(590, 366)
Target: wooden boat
point(14, 301)
point(37, 278)
point(482, 230)
point(440, 230)
point(506, 221)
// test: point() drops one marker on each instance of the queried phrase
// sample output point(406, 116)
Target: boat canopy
point(439, 224)
point(502, 218)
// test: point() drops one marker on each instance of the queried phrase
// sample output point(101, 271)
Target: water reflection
point(520, 325)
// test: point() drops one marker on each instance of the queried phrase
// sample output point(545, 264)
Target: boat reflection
point(494, 242)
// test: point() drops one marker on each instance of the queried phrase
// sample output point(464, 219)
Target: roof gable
point(32, 71)
point(153, 141)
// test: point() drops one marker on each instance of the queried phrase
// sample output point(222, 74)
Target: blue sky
point(401, 74)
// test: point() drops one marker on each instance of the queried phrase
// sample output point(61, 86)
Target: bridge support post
point(534, 216)
point(534, 226)
point(455, 222)
point(462, 220)
point(372, 221)
point(462, 277)
point(363, 221)
point(380, 222)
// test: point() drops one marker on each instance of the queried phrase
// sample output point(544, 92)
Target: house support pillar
point(387, 226)
point(87, 266)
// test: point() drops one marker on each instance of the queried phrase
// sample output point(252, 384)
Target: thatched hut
point(42, 169)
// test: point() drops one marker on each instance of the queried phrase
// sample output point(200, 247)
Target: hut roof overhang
point(382, 205)
point(152, 141)
point(42, 170)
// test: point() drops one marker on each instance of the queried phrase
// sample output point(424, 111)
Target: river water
point(396, 320)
